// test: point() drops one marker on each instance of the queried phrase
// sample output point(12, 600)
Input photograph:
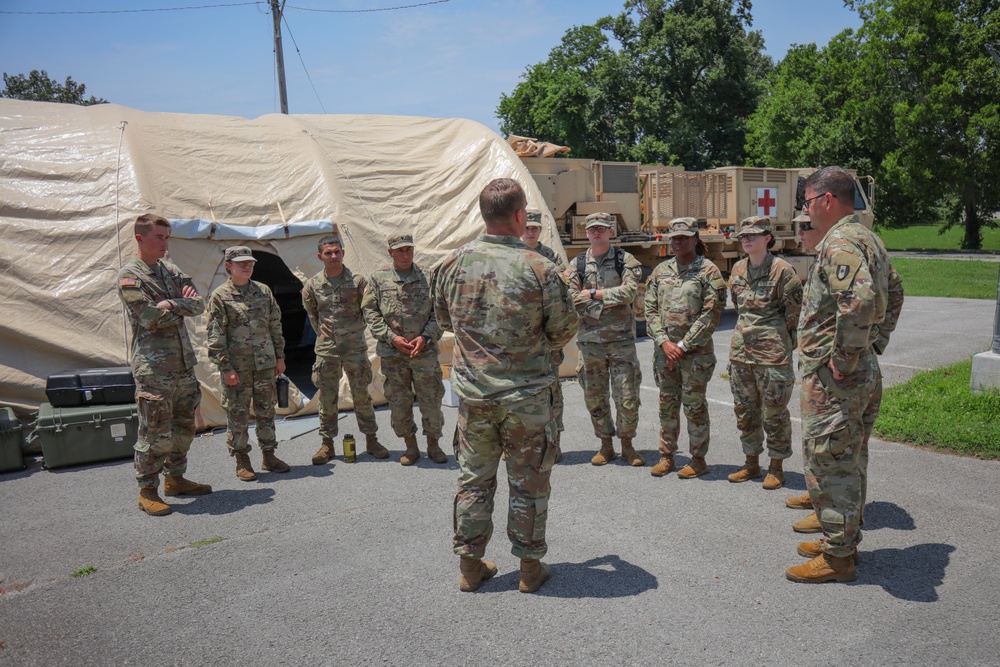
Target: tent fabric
point(75, 178)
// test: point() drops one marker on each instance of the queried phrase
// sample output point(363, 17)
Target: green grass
point(204, 543)
point(83, 571)
point(936, 409)
point(926, 237)
point(968, 279)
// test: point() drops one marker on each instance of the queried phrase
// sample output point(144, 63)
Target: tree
point(677, 90)
point(38, 87)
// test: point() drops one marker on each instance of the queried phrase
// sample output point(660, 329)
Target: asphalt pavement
point(351, 564)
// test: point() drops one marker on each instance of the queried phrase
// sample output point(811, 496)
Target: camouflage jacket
point(769, 300)
point(609, 319)
point(160, 343)
point(336, 301)
point(852, 299)
point(509, 308)
point(550, 254)
point(244, 328)
point(685, 306)
point(399, 304)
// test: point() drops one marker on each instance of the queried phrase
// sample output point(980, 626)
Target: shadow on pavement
point(910, 574)
point(887, 515)
point(604, 577)
point(225, 501)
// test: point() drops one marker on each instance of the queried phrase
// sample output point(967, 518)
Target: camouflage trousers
point(684, 385)
point(259, 387)
point(837, 421)
point(760, 401)
point(166, 404)
point(326, 375)
point(557, 399)
point(615, 364)
point(417, 379)
point(526, 431)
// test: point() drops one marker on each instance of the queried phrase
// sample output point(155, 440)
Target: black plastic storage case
point(11, 457)
point(89, 434)
point(94, 386)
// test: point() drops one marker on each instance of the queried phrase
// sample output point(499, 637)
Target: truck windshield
point(859, 199)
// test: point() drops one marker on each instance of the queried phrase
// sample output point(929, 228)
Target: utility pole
point(279, 56)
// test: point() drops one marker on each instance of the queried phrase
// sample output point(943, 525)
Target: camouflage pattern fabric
point(768, 299)
point(257, 386)
point(557, 355)
point(684, 304)
point(416, 379)
point(526, 431)
point(163, 360)
point(336, 301)
point(684, 385)
point(167, 403)
point(760, 400)
point(615, 365)
point(398, 303)
point(852, 302)
point(550, 254)
point(610, 319)
point(244, 328)
point(508, 308)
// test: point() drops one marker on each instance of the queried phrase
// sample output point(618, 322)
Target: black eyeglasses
point(805, 225)
point(750, 237)
point(806, 203)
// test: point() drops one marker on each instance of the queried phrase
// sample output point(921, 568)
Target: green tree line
point(912, 97)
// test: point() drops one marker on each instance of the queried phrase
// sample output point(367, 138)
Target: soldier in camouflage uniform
point(508, 308)
point(245, 342)
point(852, 301)
point(685, 296)
point(157, 297)
point(532, 231)
point(332, 299)
point(397, 306)
point(768, 298)
point(603, 298)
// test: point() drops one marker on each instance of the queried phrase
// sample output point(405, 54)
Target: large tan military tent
point(73, 179)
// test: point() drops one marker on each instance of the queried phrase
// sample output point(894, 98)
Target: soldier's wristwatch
point(593, 293)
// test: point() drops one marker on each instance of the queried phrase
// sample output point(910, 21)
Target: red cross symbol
point(765, 201)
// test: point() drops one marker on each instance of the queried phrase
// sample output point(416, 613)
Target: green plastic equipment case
point(86, 434)
point(10, 441)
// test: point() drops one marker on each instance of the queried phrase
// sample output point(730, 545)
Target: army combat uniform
point(557, 355)
point(336, 301)
point(508, 308)
point(768, 299)
point(398, 303)
point(851, 304)
point(163, 361)
point(244, 335)
point(683, 305)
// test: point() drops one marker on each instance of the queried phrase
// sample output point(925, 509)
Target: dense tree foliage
point(38, 87)
point(669, 81)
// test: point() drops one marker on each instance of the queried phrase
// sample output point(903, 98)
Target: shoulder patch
point(841, 276)
point(127, 281)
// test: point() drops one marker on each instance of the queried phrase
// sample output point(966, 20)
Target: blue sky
point(449, 59)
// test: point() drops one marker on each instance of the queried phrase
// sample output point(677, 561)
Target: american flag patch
point(127, 282)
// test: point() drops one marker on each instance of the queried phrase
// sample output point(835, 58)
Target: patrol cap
point(682, 227)
point(239, 253)
point(600, 220)
point(397, 241)
point(534, 218)
point(755, 224)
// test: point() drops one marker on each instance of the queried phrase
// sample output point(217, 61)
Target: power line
point(296, 45)
point(365, 11)
point(137, 11)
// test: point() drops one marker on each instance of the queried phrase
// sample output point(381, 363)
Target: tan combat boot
point(629, 454)
point(823, 568)
point(606, 454)
point(324, 454)
point(434, 452)
point(750, 470)
point(695, 468)
point(803, 502)
point(810, 524)
point(151, 503)
point(473, 572)
point(374, 447)
point(534, 573)
point(412, 453)
point(775, 476)
point(815, 548)
point(243, 468)
point(665, 465)
point(176, 485)
point(272, 463)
